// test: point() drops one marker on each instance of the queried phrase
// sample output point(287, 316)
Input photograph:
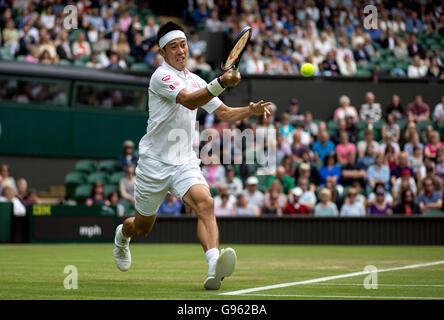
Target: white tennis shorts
point(154, 179)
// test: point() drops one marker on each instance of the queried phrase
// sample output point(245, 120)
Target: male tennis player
point(174, 96)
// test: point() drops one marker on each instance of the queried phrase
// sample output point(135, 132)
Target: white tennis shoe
point(122, 255)
point(220, 268)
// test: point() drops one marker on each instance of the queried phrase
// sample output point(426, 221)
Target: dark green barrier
point(59, 223)
point(5, 221)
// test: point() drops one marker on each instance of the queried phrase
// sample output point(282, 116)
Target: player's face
point(175, 53)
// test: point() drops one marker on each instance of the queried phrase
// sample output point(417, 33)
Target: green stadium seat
point(64, 62)
point(73, 180)
point(129, 59)
point(262, 181)
point(116, 177)
point(332, 125)
point(377, 126)
point(82, 192)
point(361, 125)
point(139, 66)
point(402, 124)
point(433, 213)
point(386, 66)
point(87, 166)
point(98, 176)
point(213, 191)
point(6, 54)
point(79, 63)
point(422, 125)
point(363, 73)
point(109, 166)
point(128, 207)
point(85, 58)
point(108, 188)
point(21, 58)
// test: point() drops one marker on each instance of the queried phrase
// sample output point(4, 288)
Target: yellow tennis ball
point(307, 69)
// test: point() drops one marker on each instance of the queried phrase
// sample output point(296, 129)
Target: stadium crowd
point(330, 34)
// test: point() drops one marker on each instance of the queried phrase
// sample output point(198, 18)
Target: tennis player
point(174, 96)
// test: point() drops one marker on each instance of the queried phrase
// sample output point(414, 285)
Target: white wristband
point(215, 87)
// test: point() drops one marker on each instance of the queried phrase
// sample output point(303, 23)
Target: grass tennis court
point(177, 271)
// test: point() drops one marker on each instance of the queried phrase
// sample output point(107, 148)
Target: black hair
point(167, 27)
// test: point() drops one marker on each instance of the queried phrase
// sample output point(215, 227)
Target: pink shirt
point(342, 151)
point(432, 149)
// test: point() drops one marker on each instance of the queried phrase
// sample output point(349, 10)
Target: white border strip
point(347, 275)
point(339, 297)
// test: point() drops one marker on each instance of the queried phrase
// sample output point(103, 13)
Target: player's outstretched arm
point(226, 113)
point(199, 98)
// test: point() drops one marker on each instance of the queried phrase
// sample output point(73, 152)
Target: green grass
point(177, 271)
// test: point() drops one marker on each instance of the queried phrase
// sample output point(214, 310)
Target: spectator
point(379, 186)
point(213, 24)
point(97, 196)
point(407, 205)
point(286, 181)
point(419, 109)
point(380, 206)
point(63, 47)
point(435, 71)
point(370, 111)
point(329, 67)
point(402, 163)
point(392, 127)
point(272, 207)
point(128, 156)
point(361, 56)
point(255, 65)
point(223, 208)
point(81, 47)
point(344, 147)
point(222, 189)
point(351, 207)
point(405, 181)
point(295, 115)
point(114, 200)
point(434, 144)
point(388, 141)
point(31, 198)
point(213, 171)
point(170, 206)
point(428, 170)
point(234, 183)
point(413, 24)
point(310, 126)
point(33, 56)
point(121, 47)
point(368, 158)
point(330, 169)
point(8, 195)
point(307, 170)
point(253, 195)
point(138, 48)
point(294, 207)
point(11, 37)
point(417, 69)
point(308, 197)
point(438, 114)
point(347, 67)
point(379, 172)
point(400, 51)
point(150, 29)
point(22, 190)
point(275, 187)
point(368, 140)
point(352, 171)
point(322, 147)
point(126, 184)
point(414, 48)
point(429, 199)
point(244, 208)
point(325, 207)
point(440, 165)
point(395, 108)
point(6, 179)
point(194, 43)
point(413, 143)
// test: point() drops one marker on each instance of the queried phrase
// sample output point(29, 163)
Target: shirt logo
point(194, 85)
point(166, 78)
point(172, 87)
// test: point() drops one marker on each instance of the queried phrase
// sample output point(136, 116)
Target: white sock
point(211, 254)
point(121, 240)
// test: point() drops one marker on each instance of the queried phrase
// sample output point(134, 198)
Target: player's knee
point(206, 206)
point(142, 231)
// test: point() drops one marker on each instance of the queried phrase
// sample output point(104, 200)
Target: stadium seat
point(82, 192)
point(361, 125)
point(98, 176)
point(213, 191)
point(116, 177)
point(73, 180)
point(422, 125)
point(109, 166)
point(363, 73)
point(402, 124)
point(79, 63)
point(139, 66)
point(87, 166)
point(262, 178)
point(433, 213)
point(64, 62)
point(5, 53)
point(332, 125)
point(21, 58)
point(108, 188)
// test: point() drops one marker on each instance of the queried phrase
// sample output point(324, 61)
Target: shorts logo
point(172, 87)
point(200, 179)
point(166, 78)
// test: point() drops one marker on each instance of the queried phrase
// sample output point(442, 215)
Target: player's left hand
point(260, 108)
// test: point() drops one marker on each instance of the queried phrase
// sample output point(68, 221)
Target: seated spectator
point(392, 127)
point(114, 200)
point(33, 55)
point(244, 208)
point(351, 207)
point(272, 207)
point(407, 205)
point(128, 157)
point(434, 71)
point(403, 182)
point(395, 108)
point(308, 197)
point(380, 206)
point(287, 182)
point(344, 147)
point(307, 170)
point(336, 190)
point(287, 128)
point(297, 147)
point(223, 208)
point(329, 67)
point(275, 187)
point(427, 134)
point(22, 189)
point(345, 109)
point(347, 67)
point(81, 47)
point(254, 196)
point(45, 58)
point(379, 186)
point(434, 144)
point(360, 54)
point(416, 160)
point(368, 158)
point(388, 141)
point(288, 164)
point(294, 207)
point(351, 129)
point(413, 143)
point(63, 47)
point(419, 109)
point(438, 114)
point(325, 207)
point(352, 171)
point(255, 65)
point(31, 198)
point(213, 171)
point(336, 136)
point(222, 189)
point(440, 165)
point(11, 37)
point(8, 195)
point(6, 179)
point(150, 29)
point(234, 183)
point(330, 169)
point(417, 69)
point(97, 196)
point(413, 24)
point(213, 23)
point(115, 62)
point(170, 206)
point(283, 148)
point(368, 140)
point(323, 146)
point(414, 48)
point(371, 110)
point(126, 184)
point(294, 113)
point(309, 126)
point(429, 199)
point(400, 51)
point(428, 170)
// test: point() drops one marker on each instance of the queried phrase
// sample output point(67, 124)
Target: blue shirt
point(322, 150)
point(382, 174)
point(173, 209)
point(433, 198)
point(326, 172)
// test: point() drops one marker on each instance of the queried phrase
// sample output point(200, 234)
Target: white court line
point(346, 275)
point(340, 297)
point(381, 285)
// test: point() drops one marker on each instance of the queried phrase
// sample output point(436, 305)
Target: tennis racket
point(240, 43)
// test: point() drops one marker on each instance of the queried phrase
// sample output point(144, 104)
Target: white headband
point(171, 36)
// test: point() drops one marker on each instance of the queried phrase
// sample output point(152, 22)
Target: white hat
point(297, 191)
point(252, 180)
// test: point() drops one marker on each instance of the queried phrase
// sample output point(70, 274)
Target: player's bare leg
point(220, 265)
point(136, 226)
